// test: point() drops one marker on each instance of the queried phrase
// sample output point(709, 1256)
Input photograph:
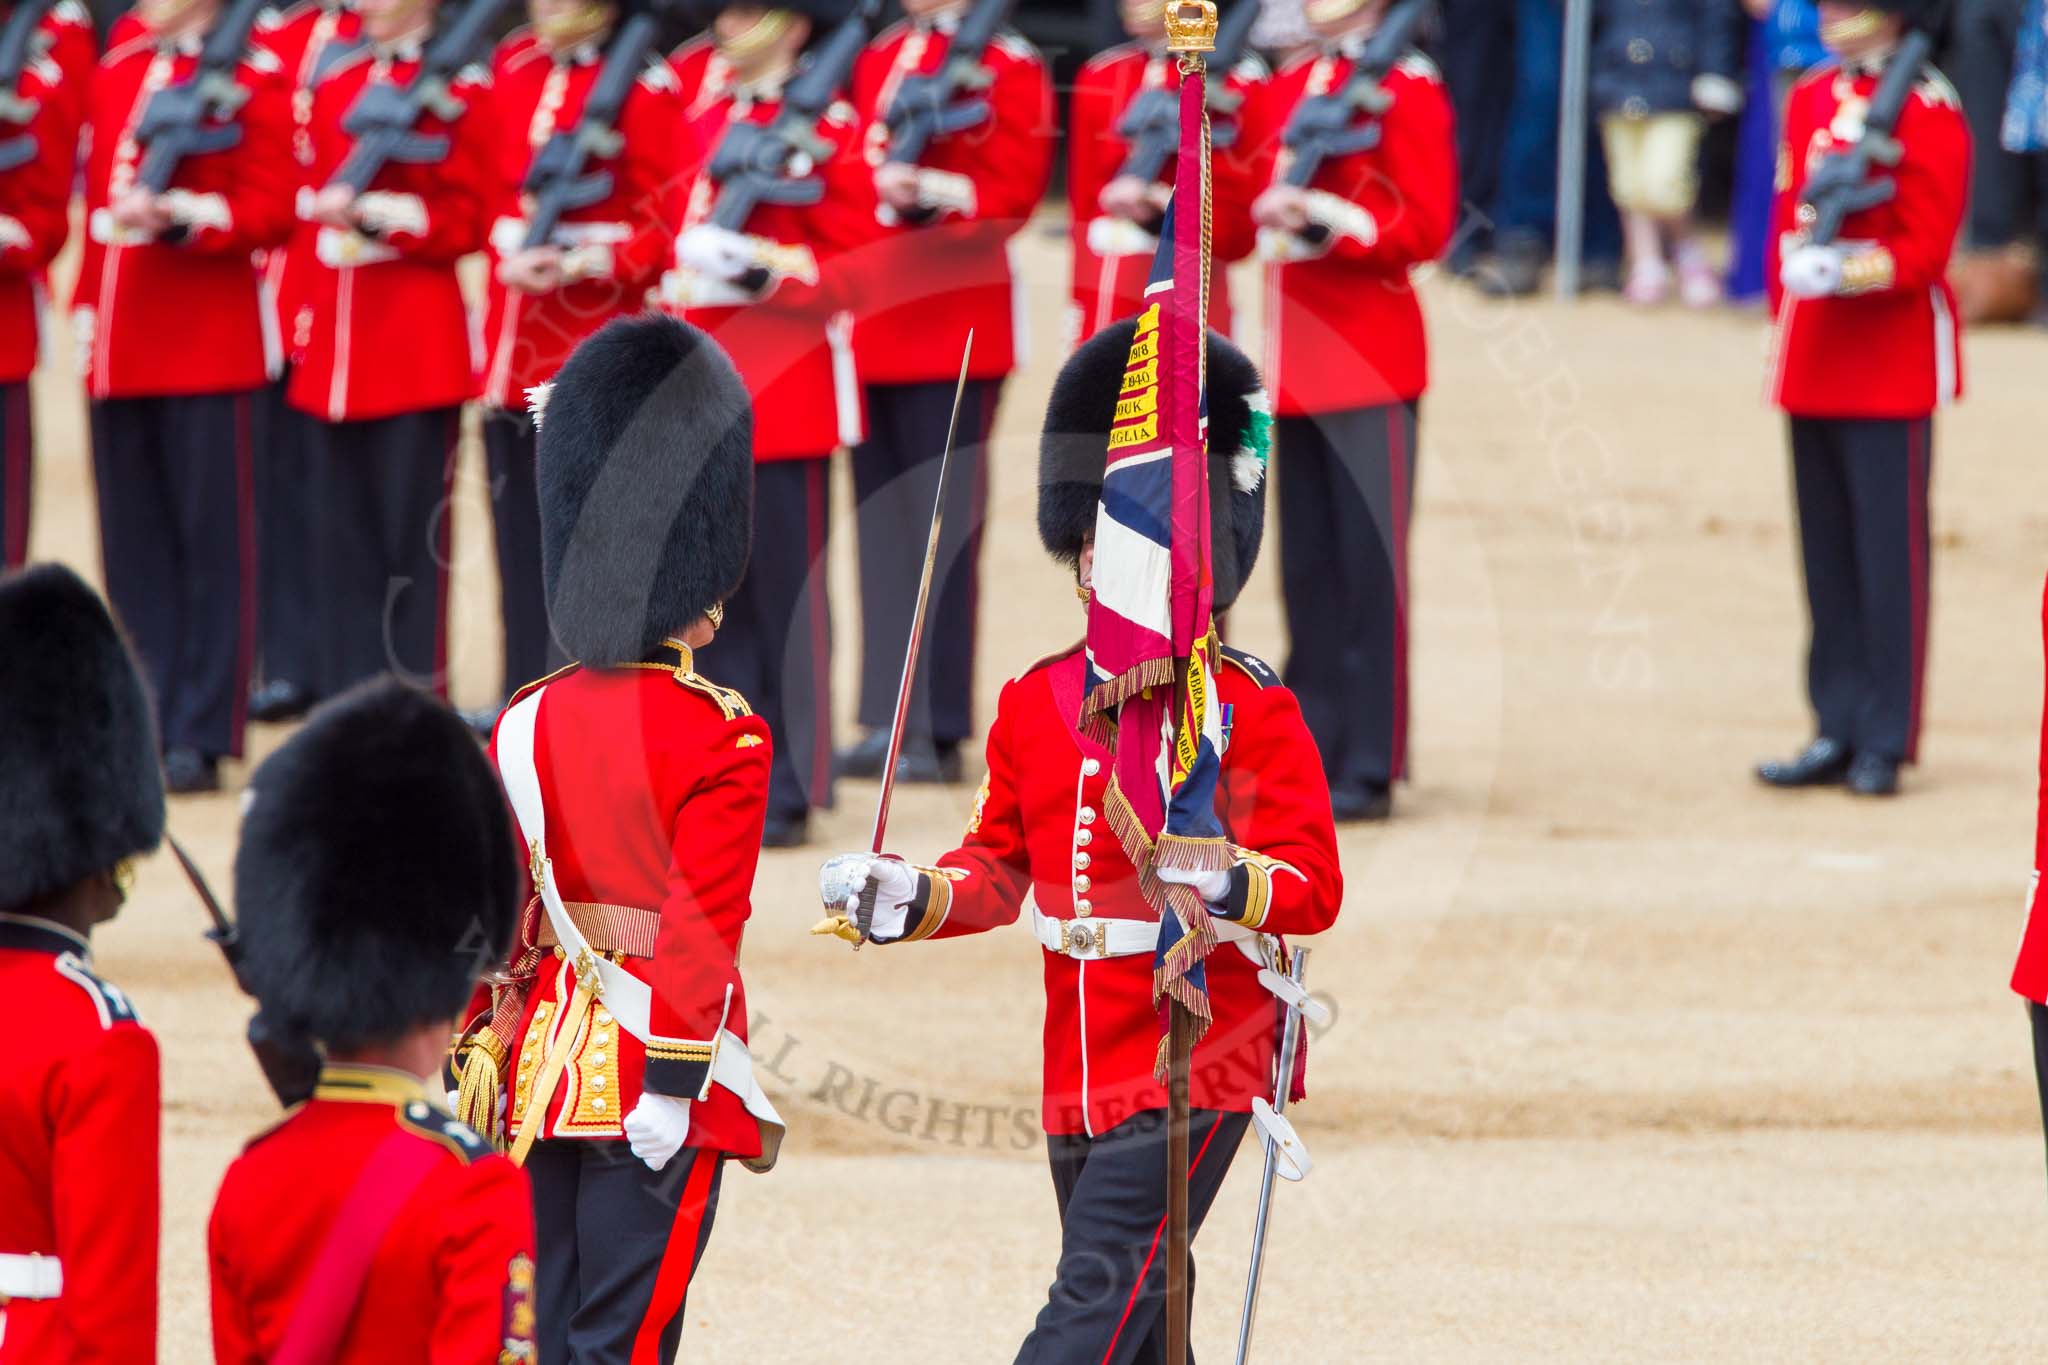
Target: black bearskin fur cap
point(646, 473)
point(80, 785)
point(377, 876)
point(1074, 450)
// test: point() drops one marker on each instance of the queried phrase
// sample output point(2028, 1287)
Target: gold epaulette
point(728, 700)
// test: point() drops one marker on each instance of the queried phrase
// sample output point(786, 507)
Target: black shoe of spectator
point(786, 831)
point(864, 757)
point(1874, 775)
point(1602, 276)
point(1516, 270)
point(1823, 763)
point(278, 700)
point(187, 772)
point(1370, 801)
point(924, 761)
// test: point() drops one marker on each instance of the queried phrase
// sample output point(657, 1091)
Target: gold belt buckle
point(1080, 939)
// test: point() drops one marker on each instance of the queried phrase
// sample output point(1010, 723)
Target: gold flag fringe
point(1105, 697)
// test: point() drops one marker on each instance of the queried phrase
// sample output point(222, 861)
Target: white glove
point(1210, 886)
point(842, 879)
point(1812, 271)
point(715, 251)
point(656, 1128)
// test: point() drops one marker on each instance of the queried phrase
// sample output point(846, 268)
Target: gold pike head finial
point(1191, 25)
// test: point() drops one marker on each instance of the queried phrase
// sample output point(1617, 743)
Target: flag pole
point(1190, 36)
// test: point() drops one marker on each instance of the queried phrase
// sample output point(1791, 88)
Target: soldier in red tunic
point(1867, 346)
point(79, 1089)
point(1348, 362)
point(2030, 971)
point(35, 216)
point(599, 262)
point(374, 880)
point(175, 324)
point(611, 1049)
point(1040, 830)
point(774, 292)
point(389, 357)
point(940, 269)
point(1115, 216)
point(288, 603)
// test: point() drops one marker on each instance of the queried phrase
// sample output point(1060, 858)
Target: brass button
point(1087, 815)
point(1081, 861)
point(600, 1037)
point(1084, 907)
point(597, 1059)
point(598, 1104)
point(1081, 882)
point(1085, 837)
point(597, 1082)
point(1090, 767)
point(1640, 51)
point(604, 1016)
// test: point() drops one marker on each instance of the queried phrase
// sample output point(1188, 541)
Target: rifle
point(383, 117)
point(174, 124)
point(1842, 183)
point(290, 1062)
point(1322, 125)
point(556, 179)
point(24, 21)
point(930, 106)
point(1151, 125)
point(751, 159)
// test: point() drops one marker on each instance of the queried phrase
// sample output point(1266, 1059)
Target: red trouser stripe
point(678, 1262)
point(17, 450)
point(1397, 508)
point(1152, 1251)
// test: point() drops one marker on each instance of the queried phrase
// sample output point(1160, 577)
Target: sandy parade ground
point(1631, 1058)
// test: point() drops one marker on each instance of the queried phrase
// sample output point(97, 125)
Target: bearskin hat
point(1074, 450)
point(646, 477)
point(80, 784)
point(377, 875)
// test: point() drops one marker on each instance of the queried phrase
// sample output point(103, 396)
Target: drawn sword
point(1286, 1157)
point(864, 914)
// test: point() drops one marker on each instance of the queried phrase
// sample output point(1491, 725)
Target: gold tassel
point(477, 1095)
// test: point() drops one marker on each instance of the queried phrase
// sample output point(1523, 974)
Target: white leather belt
point(30, 1276)
point(1083, 939)
point(627, 997)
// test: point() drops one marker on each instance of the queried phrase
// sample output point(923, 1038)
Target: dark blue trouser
point(895, 479)
point(1108, 1302)
point(1347, 494)
point(775, 647)
point(287, 633)
point(1526, 201)
point(178, 540)
point(1861, 487)
point(617, 1245)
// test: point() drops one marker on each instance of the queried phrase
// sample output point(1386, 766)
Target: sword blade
point(1290, 1039)
point(223, 930)
point(864, 916)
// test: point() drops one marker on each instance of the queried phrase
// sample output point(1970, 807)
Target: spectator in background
point(2026, 104)
point(1524, 207)
point(1996, 276)
point(1477, 55)
point(1660, 68)
point(1784, 42)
